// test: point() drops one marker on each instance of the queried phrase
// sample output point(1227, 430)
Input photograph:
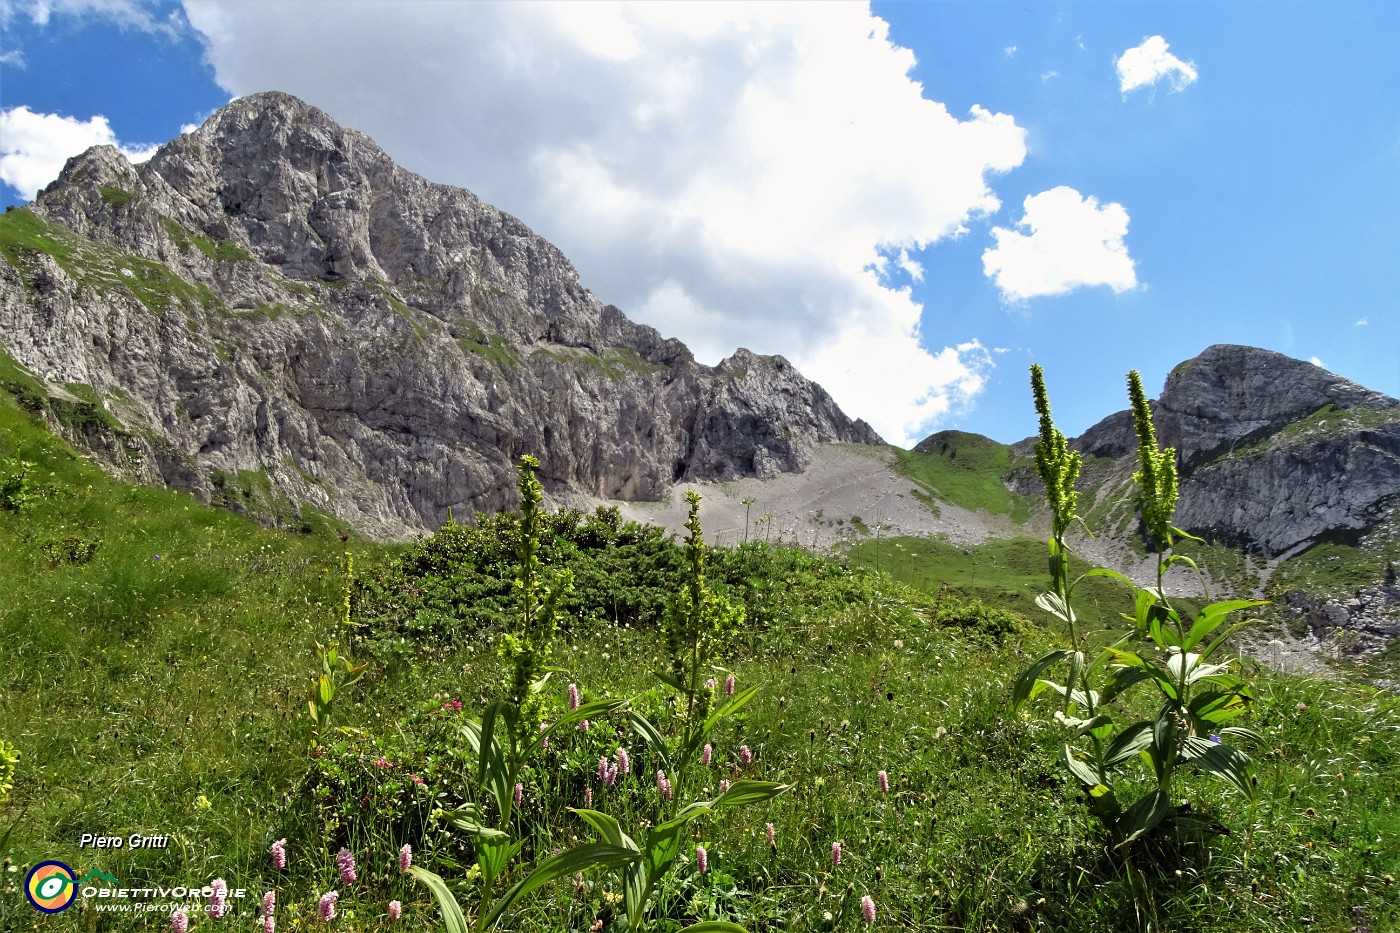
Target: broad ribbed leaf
point(714, 926)
point(593, 709)
point(1143, 815)
point(608, 827)
point(1055, 606)
point(742, 793)
point(1123, 678)
point(1228, 764)
point(1240, 732)
point(1217, 707)
point(583, 857)
point(1132, 740)
point(736, 703)
point(452, 916)
point(1082, 772)
point(1025, 685)
point(650, 737)
point(1211, 617)
point(1210, 649)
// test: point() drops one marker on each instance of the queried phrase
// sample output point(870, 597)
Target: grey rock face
point(271, 293)
point(1274, 453)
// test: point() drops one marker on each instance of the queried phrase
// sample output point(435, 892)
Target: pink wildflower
point(544, 742)
point(610, 778)
point(836, 853)
point(624, 765)
point(573, 696)
point(745, 755)
point(179, 922)
point(218, 890)
point(346, 863)
point(327, 906)
point(383, 763)
point(706, 753)
point(405, 857)
point(278, 851)
point(395, 910)
point(884, 783)
point(771, 833)
point(710, 684)
point(269, 906)
point(702, 860)
point(454, 705)
point(519, 793)
point(602, 769)
point(729, 686)
point(867, 908)
point(724, 786)
point(417, 779)
point(663, 786)
point(583, 726)
point(588, 797)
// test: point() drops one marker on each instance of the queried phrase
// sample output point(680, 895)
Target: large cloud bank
point(733, 174)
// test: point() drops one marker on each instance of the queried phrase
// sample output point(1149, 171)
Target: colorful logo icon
point(50, 887)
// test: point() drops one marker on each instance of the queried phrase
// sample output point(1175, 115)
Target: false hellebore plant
point(1198, 698)
point(510, 732)
point(696, 623)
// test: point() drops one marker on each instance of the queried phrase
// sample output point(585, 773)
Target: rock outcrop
point(1274, 453)
point(271, 294)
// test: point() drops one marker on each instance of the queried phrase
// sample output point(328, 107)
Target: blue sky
point(846, 185)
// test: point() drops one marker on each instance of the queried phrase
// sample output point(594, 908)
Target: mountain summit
point(272, 307)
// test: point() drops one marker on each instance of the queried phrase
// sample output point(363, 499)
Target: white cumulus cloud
point(34, 146)
point(733, 174)
point(128, 14)
point(1063, 242)
point(1146, 64)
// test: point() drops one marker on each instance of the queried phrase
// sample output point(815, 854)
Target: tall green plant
point(697, 623)
point(337, 673)
point(509, 734)
point(1198, 698)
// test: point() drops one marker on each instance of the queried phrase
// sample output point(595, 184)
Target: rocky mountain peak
point(271, 297)
point(1233, 396)
point(1274, 453)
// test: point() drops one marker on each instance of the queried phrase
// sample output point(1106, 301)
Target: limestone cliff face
point(272, 294)
point(1274, 453)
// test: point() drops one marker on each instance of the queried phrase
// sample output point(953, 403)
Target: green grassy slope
point(965, 470)
point(156, 654)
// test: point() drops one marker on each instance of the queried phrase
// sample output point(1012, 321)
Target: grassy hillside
point(965, 470)
point(157, 653)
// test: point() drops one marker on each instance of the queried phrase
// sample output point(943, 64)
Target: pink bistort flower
point(326, 908)
point(745, 755)
point(729, 686)
point(278, 850)
point(702, 859)
point(624, 764)
point(867, 908)
point(706, 753)
point(395, 910)
point(884, 782)
point(405, 857)
point(836, 853)
point(573, 696)
point(346, 863)
point(771, 833)
point(179, 922)
point(218, 891)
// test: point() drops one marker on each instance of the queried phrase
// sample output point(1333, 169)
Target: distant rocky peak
point(1232, 395)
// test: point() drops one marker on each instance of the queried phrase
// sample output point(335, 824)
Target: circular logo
point(50, 887)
